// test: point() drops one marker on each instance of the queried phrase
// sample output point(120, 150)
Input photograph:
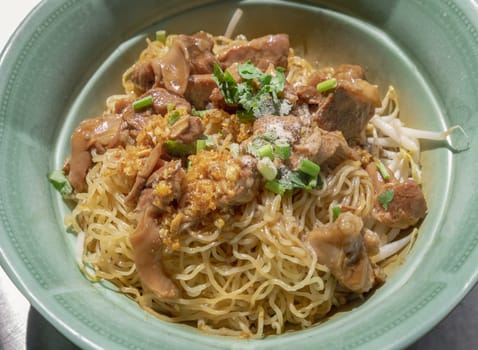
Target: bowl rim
point(7, 260)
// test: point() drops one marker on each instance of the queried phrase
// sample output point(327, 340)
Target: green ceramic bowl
point(67, 57)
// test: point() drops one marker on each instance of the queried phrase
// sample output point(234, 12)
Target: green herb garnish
point(179, 149)
point(282, 149)
point(327, 85)
point(336, 212)
point(226, 83)
point(383, 171)
point(275, 187)
point(173, 117)
point(257, 95)
point(267, 168)
point(199, 114)
point(265, 151)
point(144, 102)
point(310, 168)
point(161, 36)
point(60, 182)
point(234, 149)
point(200, 145)
point(385, 198)
point(296, 179)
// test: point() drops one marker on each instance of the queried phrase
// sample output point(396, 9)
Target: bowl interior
point(74, 60)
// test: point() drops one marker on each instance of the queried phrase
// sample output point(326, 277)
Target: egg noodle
point(248, 272)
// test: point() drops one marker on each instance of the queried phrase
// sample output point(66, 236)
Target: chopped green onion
point(275, 187)
point(210, 141)
point(161, 36)
point(200, 145)
point(267, 168)
point(59, 180)
point(336, 212)
point(199, 114)
point(385, 198)
point(327, 85)
point(170, 107)
point(310, 168)
point(173, 118)
point(143, 103)
point(282, 149)
point(179, 149)
point(234, 148)
point(265, 151)
point(268, 136)
point(383, 171)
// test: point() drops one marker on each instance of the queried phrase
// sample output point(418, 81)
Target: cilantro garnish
point(258, 93)
point(297, 179)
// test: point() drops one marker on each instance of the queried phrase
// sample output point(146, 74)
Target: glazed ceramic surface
point(68, 56)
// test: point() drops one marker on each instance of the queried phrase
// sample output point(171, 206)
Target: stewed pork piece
point(145, 75)
point(287, 128)
point(148, 249)
point(95, 133)
point(348, 107)
point(397, 204)
point(112, 130)
point(199, 90)
point(327, 148)
point(187, 129)
point(343, 248)
point(189, 54)
point(262, 52)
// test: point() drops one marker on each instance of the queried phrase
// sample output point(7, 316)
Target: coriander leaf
point(263, 106)
point(248, 71)
point(226, 84)
point(245, 116)
point(258, 94)
point(294, 179)
point(264, 83)
point(385, 198)
point(277, 81)
point(297, 179)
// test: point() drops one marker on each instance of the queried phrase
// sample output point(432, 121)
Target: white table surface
point(22, 327)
